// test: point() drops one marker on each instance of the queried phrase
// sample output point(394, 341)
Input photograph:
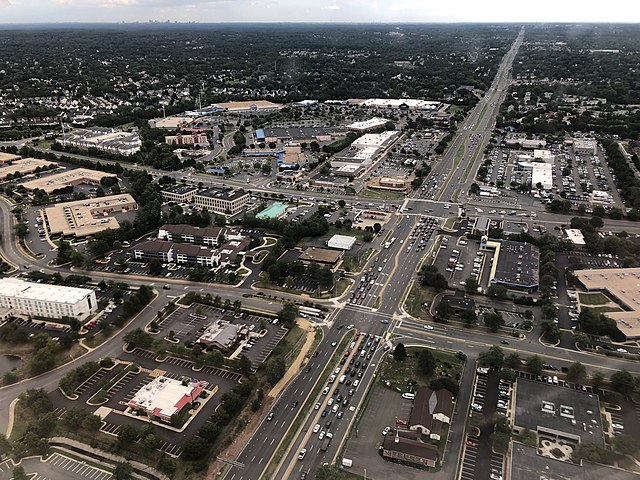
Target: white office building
point(48, 301)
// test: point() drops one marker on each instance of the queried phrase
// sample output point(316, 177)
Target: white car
point(317, 406)
point(428, 327)
point(476, 407)
point(482, 370)
point(316, 429)
point(321, 436)
point(621, 350)
point(303, 452)
point(386, 431)
point(617, 426)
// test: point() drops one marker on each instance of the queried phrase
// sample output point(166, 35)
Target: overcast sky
point(38, 11)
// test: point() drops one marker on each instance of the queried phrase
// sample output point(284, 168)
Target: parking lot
point(383, 407)
point(490, 397)
point(601, 260)
point(187, 323)
point(56, 467)
point(77, 468)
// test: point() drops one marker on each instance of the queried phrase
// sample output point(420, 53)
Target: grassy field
point(416, 299)
point(355, 264)
point(606, 309)
point(397, 375)
point(339, 289)
point(380, 194)
point(596, 298)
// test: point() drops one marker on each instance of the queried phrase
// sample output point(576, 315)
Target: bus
point(313, 312)
point(390, 242)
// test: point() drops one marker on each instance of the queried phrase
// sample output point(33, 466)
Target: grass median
point(306, 407)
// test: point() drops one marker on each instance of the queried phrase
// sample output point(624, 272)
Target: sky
point(360, 11)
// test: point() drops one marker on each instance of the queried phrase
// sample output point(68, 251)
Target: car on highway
point(295, 404)
point(429, 327)
point(317, 406)
point(270, 417)
point(303, 452)
point(316, 429)
point(333, 344)
point(321, 436)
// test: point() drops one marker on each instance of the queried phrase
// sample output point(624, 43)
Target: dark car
point(324, 413)
point(295, 404)
point(328, 424)
point(307, 370)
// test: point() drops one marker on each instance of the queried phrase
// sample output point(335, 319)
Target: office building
point(179, 193)
point(222, 200)
point(65, 181)
point(46, 301)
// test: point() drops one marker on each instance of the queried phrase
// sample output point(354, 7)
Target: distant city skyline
point(363, 11)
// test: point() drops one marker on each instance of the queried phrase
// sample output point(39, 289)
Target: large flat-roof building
point(86, 217)
point(164, 397)
point(622, 285)
point(557, 412)
point(515, 265)
point(62, 181)
point(8, 157)
point(179, 193)
point(48, 301)
point(247, 106)
point(323, 256)
point(368, 125)
point(296, 134)
point(24, 166)
point(341, 242)
point(105, 139)
point(226, 201)
point(587, 146)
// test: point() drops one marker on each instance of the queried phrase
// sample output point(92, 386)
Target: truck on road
point(326, 441)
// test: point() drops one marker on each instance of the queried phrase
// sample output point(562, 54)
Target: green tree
point(328, 472)
point(492, 357)
point(127, 434)
point(471, 285)
point(497, 292)
point(597, 379)
point(493, 321)
point(623, 382)
point(19, 473)
point(426, 362)
point(167, 465)
point(626, 444)
point(513, 361)
point(155, 267)
point(400, 352)
point(138, 339)
point(535, 365)
point(431, 277)
point(244, 364)
point(123, 471)
point(288, 314)
point(577, 373)
point(275, 369)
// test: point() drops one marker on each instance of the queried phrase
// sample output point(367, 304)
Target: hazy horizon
point(310, 11)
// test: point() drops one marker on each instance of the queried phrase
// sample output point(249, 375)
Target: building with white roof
point(341, 242)
point(47, 301)
point(576, 237)
point(402, 103)
point(542, 173)
point(366, 125)
point(164, 397)
point(585, 145)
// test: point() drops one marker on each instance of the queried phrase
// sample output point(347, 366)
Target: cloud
point(331, 7)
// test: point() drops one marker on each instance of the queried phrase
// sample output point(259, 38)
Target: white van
point(356, 383)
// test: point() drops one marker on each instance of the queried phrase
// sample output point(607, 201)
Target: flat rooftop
point(24, 166)
point(623, 284)
point(58, 181)
point(526, 464)
point(12, 287)
point(249, 105)
point(222, 193)
point(295, 132)
point(180, 189)
point(8, 157)
point(86, 217)
point(517, 265)
point(573, 413)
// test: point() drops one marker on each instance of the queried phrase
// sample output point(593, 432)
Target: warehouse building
point(48, 301)
point(222, 200)
point(105, 139)
point(164, 397)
